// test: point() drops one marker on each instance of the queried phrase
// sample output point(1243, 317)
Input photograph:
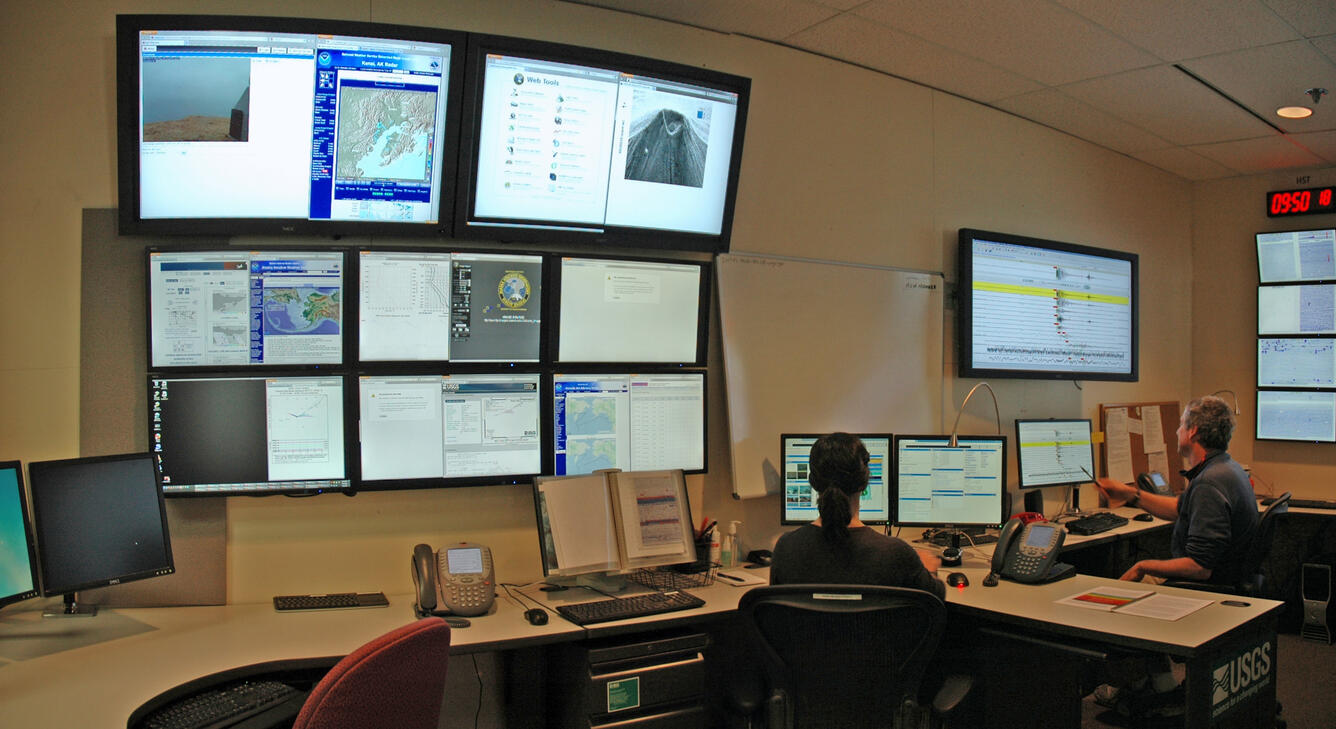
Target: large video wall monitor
point(1054, 453)
point(1297, 255)
point(1299, 362)
point(229, 436)
point(224, 308)
point(1296, 309)
point(940, 485)
point(466, 428)
point(632, 422)
point(799, 502)
point(240, 125)
point(98, 521)
point(1303, 416)
point(632, 311)
point(418, 306)
point(575, 144)
point(18, 558)
point(1032, 308)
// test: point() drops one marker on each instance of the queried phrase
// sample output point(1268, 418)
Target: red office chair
point(396, 680)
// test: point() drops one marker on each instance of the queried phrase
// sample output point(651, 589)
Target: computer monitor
point(432, 305)
point(1292, 415)
point(798, 505)
point(633, 422)
point(98, 521)
point(231, 436)
point(1044, 309)
point(940, 485)
point(223, 308)
point(1300, 363)
point(244, 125)
point(1296, 255)
point(613, 310)
point(1054, 453)
point(421, 431)
point(1296, 309)
point(18, 558)
point(607, 523)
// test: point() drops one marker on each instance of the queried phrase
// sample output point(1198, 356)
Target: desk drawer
point(686, 717)
point(679, 679)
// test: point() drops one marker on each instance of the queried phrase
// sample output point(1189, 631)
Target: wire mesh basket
point(676, 577)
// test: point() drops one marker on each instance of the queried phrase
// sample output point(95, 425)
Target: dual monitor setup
point(83, 523)
point(298, 371)
point(941, 481)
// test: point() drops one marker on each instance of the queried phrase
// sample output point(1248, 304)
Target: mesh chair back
point(1251, 568)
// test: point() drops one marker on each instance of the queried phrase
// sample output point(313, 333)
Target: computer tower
point(1315, 588)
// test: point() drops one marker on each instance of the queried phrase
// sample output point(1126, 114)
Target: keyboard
point(225, 706)
point(1101, 521)
point(332, 600)
point(634, 606)
point(1304, 503)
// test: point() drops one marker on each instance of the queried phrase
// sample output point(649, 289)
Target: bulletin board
point(1140, 437)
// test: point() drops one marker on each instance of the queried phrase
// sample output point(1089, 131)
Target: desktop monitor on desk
point(18, 559)
point(940, 485)
point(1055, 453)
point(98, 521)
point(799, 503)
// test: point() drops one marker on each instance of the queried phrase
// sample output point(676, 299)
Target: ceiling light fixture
point(1294, 112)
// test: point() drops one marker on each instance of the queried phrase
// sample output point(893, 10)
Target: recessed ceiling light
point(1294, 112)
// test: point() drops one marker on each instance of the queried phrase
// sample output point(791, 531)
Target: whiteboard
point(817, 346)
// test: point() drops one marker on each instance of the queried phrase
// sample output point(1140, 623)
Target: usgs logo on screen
point(1241, 676)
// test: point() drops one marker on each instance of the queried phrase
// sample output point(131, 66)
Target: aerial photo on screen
point(196, 100)
point(385, 134)
point(667, 145)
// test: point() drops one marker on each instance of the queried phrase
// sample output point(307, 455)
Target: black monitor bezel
point(702, 312)
point(432, 482)
point(480, 45)
point(965, 311)
point(887, 476)
point(1020, 468)
point(25, 516)
point(49, 590)
point(895, 489)
point(298, 488)
point(240, 369)
point(128, 27)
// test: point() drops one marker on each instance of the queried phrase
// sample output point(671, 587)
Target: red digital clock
point(1309, 201)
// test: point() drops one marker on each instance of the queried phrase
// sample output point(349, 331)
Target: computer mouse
point(957, 579)
point(1143, 517)
point(536, 616)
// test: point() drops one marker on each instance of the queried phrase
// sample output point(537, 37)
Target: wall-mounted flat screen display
point(1301, 416)
point(1297, 255)
point(632, 422)
point(1296, 362)
point(1036, 308)
point(632, 311)
point(1297, 309)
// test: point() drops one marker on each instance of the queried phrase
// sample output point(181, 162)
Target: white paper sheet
point(1117, 446)
point(1152, 437)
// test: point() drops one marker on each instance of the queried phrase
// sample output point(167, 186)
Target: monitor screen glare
point(1054, 453)
point(800, 498)
point(940, 485)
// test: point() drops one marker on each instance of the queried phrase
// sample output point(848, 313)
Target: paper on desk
point(1106, 598)
point(1117, 446)
point(1164, 607)
point(739, 578)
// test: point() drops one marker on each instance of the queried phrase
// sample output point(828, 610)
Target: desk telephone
point(457, 580)
point(1154, 482)
point(1027, 552)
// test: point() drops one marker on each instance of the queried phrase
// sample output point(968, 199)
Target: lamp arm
point(996, 413)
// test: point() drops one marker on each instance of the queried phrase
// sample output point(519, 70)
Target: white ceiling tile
point(768, 19)
point(841, 4)
point(1170, 104)
point(1322, 144)
point(865, 43)
point(1264, 154)
point(1186, 28)
point(1326, 45)
point(1309, 17)
point(1033, 38)
point(1185, 164)
point(1060, 111)
point(1267, 78)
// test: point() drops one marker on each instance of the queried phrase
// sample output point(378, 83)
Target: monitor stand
point(72, 609)
point(952, 555)
point(597, 581)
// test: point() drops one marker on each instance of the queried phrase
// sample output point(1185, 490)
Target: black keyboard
point(1095, 523)
point(224, 706)
point(634, 606)
point(1304, 503)
point(332, 600)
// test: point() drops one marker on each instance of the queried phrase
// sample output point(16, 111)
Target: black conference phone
point(457, 580)
point(1154, 482)
point(1027, 552)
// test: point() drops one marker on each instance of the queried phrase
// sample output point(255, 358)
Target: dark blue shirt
point(1217, 517)
point(806, 556)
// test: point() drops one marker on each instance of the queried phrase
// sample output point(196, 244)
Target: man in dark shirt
point(1215, 517)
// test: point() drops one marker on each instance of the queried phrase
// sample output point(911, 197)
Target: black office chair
point(1252, 580)
point(847, 655)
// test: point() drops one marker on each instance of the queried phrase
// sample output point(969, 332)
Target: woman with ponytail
point(838, 548)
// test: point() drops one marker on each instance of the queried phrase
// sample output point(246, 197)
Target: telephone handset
point(1027, 552)
point(1154, 482)
point(457, 580)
